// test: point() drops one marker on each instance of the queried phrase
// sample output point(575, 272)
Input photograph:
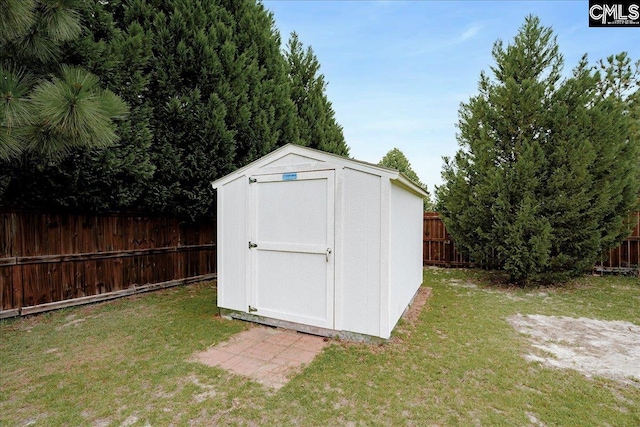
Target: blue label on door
point(289, 176)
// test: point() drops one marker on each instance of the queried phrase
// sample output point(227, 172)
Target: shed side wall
point(361, 232)
point(405, 271)
point(232, 247)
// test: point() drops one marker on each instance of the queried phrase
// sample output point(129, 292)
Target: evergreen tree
point(396, 159)
point(270, 121)
point(46, 115)
point(316, 119)
point(191, 144)
point(98, 179)
point(621, 82)
point(219, 94)
point(547, 170)
point(208, 90)
point(618, 124)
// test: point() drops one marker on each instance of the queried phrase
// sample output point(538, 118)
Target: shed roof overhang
point(322, 156)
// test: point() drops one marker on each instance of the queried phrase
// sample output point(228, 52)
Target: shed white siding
point(232, 245)
point(362, 226)
point(406, 250)
point(290, 160)
point(357, 226)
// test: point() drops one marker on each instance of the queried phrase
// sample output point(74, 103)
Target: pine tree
point(48, 116)
point(396, 159)
point(316, 119)
point(97, 179)
point(545, 175)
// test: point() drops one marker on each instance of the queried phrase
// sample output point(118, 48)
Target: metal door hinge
point(252, 180)
point(252, 245)
point(252, 309)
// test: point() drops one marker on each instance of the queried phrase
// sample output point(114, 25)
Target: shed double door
point(292, 238)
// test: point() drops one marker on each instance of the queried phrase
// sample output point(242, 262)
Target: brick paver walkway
point(267, 355)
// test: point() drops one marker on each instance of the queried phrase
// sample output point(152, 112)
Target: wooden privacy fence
point(50, 260)
point(627, 255)
point(438, 248)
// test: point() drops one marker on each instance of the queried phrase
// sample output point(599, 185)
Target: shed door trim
point(292, 267)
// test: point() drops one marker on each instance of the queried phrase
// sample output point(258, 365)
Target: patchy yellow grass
point(457, 362)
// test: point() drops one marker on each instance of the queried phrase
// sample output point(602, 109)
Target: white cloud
point(470, 32)
point(425, 43)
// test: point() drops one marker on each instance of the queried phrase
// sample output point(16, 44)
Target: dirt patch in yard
point(603, 348)
point(412, 314)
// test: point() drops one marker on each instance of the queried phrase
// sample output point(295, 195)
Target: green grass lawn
point(127, 362)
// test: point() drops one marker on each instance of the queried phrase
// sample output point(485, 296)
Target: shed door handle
point(328, 252)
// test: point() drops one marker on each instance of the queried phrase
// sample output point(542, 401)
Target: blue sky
point(398, 70)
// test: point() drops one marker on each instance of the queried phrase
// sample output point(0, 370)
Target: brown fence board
point(18, 290)
point(69, 280)
point(49, 258)
point(7, 300)
point(7, 230)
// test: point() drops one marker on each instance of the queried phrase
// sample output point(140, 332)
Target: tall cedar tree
point(547, 172)
point(396, 159)
point(219, 92)
point(316, 119)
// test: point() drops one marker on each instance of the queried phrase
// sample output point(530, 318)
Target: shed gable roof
point(291, 154)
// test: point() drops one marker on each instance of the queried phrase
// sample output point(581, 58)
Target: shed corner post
point(250, 195)
point(385, 258)
point(219, 247)
point(339, 264)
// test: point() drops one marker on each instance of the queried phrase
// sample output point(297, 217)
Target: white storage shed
point(319, 243)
